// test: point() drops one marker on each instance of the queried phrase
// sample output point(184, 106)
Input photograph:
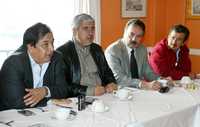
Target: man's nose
point(51, 48)
point(91, 32)
point(134, 38)
point(174, 41)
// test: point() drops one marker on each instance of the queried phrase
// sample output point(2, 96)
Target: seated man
point(127, 58)
point(170, 56)
point(85, 61)
point(34, 73)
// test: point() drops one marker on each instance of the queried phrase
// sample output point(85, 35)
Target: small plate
point(39, 125)
point(71, 116)
point(130, 97)
point(105, 110)
point(134, 124)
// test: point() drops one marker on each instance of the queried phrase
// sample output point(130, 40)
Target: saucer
point(166, 107)
point(105, 110)
point(71, 116)
point(39, 125)
point(134, 124)
point(130, 97)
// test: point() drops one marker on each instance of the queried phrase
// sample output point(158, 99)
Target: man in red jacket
point(170, 56)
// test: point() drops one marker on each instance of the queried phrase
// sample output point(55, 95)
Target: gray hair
point(78, 19)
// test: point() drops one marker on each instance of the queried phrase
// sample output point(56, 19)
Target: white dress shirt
point(38, 71)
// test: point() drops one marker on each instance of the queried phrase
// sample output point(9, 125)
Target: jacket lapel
point(125, 57)
point(76, 63)
point(27, 71)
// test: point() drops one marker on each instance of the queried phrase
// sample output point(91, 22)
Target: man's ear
point(30, 46)
point(74, 30)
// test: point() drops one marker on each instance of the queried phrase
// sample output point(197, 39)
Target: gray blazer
point(118, 60)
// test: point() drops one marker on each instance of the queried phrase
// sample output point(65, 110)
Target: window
point(17, 16)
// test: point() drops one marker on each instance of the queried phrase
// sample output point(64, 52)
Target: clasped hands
point(109, 88)
point(156, 85)
point(35, 95)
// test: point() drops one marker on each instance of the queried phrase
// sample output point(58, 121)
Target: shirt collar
point(33, 62)
point(127, 47)
point(79, 47)
point(177, 54)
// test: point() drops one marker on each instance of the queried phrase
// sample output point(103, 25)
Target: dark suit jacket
point(73, 71)
point(16, 75)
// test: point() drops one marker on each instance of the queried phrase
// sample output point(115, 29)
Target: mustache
point(134, 42)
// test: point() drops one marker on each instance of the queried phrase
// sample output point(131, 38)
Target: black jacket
point(73, 71)
point(16, 75)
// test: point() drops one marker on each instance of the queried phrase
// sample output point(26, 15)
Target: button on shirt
point(38, 71)
point(89, 71)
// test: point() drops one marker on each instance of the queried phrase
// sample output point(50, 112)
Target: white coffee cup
point(186, 80)
point(163, 82)
point(62, 113)
point(99, 106)
point(122, 94)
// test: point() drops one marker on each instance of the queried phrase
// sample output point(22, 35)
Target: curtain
point(91, 7)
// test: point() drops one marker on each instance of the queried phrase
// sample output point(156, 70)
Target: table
point(178, 108)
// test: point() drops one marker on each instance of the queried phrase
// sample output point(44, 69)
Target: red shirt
point(164, 62)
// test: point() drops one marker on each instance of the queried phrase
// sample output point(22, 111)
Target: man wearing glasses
point(127, 57)
point(170, 56)
point(34, 73)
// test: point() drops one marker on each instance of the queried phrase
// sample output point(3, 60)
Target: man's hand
point(154, 85)
point(99, 90)
point(167, 78)
point(34, 96)
point(170, 81)
point(192, 75)
point(198, 76)
point(111, 87)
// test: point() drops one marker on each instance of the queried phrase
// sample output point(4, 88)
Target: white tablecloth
point(178, 108)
